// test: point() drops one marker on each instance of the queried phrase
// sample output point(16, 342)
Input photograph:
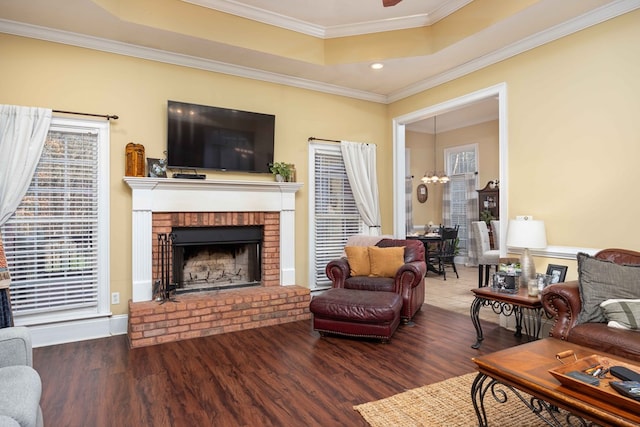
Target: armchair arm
point(562, 301)
point(15, 347)
point(338, 271)
point(409, 276)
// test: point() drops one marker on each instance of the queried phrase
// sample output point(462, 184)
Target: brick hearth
point(217, 312)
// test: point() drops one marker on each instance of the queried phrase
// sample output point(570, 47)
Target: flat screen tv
point(202, 137)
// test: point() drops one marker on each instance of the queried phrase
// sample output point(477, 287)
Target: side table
point(508, 304)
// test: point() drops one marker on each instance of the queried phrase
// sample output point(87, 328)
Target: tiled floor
point(455, 294)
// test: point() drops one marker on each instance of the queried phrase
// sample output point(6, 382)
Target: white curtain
point(23, 131)
point(472, 215)
point(408, 204)
point(446, 205)
point(360, 163)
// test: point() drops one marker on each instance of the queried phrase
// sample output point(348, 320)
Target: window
point(333, 212)
point(56, 243)
point(460, 161)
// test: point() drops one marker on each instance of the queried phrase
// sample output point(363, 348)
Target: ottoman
point(356, 313)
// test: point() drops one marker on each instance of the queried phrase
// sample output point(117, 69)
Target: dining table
point(431, 242)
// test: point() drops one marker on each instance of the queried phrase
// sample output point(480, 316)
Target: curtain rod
point(106, 116)
point(313, 138)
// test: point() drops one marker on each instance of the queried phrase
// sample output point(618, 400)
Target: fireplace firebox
point(212, 258)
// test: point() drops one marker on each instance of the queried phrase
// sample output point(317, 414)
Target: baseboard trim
point(78, 330)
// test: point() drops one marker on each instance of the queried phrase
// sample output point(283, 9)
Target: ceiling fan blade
point(387, 3)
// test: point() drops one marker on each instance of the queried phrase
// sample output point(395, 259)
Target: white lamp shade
point(526, 233)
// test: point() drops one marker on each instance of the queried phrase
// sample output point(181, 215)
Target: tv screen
point(202, 137)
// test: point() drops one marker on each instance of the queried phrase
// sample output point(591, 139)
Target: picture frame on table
point(557, 273)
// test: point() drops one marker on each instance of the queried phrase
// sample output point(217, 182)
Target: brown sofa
point(408, 281)
point(563, 302)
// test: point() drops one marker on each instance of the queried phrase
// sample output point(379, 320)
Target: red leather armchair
point(562, 301)
point(408, 281)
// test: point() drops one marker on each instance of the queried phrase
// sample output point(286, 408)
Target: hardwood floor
point(283, 375)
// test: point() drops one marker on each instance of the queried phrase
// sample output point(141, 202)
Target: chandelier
point(435, 177)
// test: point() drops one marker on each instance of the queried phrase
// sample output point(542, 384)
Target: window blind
point(336, 214)
point(458, 191)
point(51, 241)
point(460, 160)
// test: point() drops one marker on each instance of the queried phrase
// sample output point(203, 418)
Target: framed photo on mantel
point(156, 168)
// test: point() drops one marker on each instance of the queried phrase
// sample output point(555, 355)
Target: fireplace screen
point(211, 258)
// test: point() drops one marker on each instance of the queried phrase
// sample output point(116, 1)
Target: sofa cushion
point(374, 261)
point(358, 257)
point(622, 313)
point(600, 280)
point(20, 394)
point(385, 262)
point(367, 283)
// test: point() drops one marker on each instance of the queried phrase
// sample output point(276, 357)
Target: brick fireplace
point(166, 222)
point(159, 205)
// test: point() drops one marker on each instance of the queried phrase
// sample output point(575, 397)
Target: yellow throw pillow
point(358, 257)
point(385, 262)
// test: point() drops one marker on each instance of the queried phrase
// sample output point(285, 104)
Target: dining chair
point(495, 228)
point(447, 248)
point(487, 257)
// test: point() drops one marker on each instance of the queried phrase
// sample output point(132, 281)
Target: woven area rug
point(447, 403)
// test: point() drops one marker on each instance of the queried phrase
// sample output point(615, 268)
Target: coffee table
point(508, 304)
point(525, 368)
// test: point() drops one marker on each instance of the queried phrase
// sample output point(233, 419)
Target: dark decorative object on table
point(505, 282)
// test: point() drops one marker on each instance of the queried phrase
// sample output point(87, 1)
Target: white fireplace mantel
point(186, 195)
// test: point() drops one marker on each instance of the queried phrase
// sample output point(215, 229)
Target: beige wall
point(38, 73)
point(573, 133)
point(573, 128)
point(485, 135)
point(421, 160)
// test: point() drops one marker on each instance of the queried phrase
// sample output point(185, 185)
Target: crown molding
point(582, 22)
point(111, 46)
point(594, 17)
point(261, 15)
point(346, 30)
point(353, 29)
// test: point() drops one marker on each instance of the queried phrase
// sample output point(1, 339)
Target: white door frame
point(399, 123)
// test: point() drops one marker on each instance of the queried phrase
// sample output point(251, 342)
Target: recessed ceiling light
point(377, 65)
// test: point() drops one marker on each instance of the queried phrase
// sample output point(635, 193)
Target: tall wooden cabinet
point(489, 201)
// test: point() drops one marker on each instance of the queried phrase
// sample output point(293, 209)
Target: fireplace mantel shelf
point(204, 184)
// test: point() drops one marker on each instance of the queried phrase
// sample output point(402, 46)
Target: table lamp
point(526, 233)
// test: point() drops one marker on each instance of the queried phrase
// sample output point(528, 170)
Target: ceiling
point(336, 18)
point(130, 27)
point(139, 28)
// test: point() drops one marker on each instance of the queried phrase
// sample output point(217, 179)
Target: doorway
point(399, 142)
